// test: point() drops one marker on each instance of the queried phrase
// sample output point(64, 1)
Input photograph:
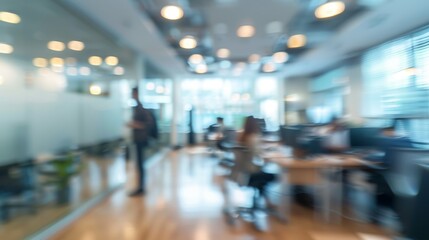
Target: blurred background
point(67, 68)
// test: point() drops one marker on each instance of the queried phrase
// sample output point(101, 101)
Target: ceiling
point(47, 21)
point(365, 23)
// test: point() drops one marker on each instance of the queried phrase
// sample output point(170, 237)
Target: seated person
point(251, 138)
point(216, 130)
point(390, 139)
point(336, 137)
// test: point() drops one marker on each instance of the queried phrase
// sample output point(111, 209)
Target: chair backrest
point(243, 165)
point(405, 162)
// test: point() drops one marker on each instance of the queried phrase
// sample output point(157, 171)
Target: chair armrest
point(400, 186)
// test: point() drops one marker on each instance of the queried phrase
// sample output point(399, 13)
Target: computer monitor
point(290, 135)
point(364, 136)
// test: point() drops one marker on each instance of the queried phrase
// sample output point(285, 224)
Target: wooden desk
point(322, 171)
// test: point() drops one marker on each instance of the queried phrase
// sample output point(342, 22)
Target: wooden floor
point(184, 202)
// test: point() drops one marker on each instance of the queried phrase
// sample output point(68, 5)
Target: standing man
point(142, 125)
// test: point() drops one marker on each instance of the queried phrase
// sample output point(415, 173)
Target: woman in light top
point(251, 135)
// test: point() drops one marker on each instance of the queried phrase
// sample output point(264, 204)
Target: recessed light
point(76, 45)
point(40, 62)
point(95, 89)
point(297, 41)
point(188, 42)
point(160, 90)
point(201, 68)
point(172, 12)
point(196, 59)
point(111, 61)
point(10, 17)
point(269, 67)
point(6, 48)
point(246, 31)
point(56, 61)
point(150, 86)
point(95, 60)
point(254, 58)
point(118, 71)
point(330, 9)
point(56, 46)
point(223, 53)
point(280, 57)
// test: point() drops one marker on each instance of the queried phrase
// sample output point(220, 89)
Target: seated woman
point(251, 139)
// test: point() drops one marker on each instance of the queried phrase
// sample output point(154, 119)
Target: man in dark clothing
point(141, 124)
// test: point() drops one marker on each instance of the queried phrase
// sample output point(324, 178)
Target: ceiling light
point(188, 42)
point(1, 80)
point(280, 57)
point(297, 41)
point(111, 61)
point(201, 68)
point(72, 71)
point(118, 71)
point(330, 9)
point(223, 53)
point(6, 48)
point(196, 59)
point(76, 45)
point(292, 98)
point(9, 17)
point(56, 61)
point(95, 90)
point(40, 62)
point(246, 31)
point(269, 67)
point(56, 46)
point(85, 71)
point(171, 12)
point(95, 60)
point(254, 58)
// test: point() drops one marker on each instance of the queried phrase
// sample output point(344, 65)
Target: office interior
point(338, 89)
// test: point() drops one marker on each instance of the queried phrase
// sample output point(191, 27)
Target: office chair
point(17, 180)
point(246, 174)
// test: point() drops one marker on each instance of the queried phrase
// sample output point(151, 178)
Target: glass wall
point(395, 77)
point(230, 98)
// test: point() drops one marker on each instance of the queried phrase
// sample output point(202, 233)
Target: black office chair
point(17, 180)
point(246, 174)
point(411, 201)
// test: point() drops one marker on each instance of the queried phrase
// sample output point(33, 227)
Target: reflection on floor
point(98, 175)
point(184, 202)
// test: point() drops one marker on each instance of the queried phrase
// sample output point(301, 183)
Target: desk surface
point(320, 161)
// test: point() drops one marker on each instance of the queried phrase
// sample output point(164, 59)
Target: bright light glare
point(196, 59)
point(56, 46)
point(280, 57)
point(246, 31)
point(10, 17)
point(76, 45)
point(6, 48)
point(223, 53)
point(188, 42)
point(171, 12)
point(297, 41)
point(330, 9)
point(95, 90)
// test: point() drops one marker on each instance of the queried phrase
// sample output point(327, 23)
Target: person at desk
point(217, 128)
point(251, 138)
point(391, 139)
point(335, 137)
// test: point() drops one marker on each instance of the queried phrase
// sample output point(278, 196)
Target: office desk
point(322, 171)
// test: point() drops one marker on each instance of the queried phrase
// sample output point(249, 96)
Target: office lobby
point(214, 119)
